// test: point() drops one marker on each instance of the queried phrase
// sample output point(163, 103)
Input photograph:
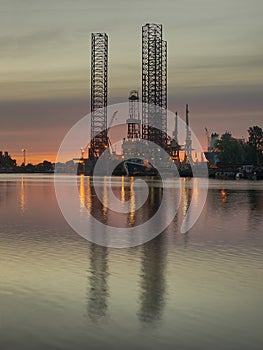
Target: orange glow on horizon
point(34, 158)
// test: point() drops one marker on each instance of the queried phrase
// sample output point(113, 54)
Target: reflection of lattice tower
point(98, 282)
point(153, 286)
point(134, 116)
point(154, 84)
point(99, 93)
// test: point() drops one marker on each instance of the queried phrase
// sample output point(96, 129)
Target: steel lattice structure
point(154, 84)
point(99, 94)
point(134, 116)
point(164, 91)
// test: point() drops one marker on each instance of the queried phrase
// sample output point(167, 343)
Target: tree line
point(236, 151)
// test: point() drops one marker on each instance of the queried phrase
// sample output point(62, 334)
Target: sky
point(215, 64)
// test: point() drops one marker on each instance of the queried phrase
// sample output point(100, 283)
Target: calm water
point(199, 290)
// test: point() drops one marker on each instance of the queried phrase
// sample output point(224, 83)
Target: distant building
point(213, 138)
point(212, 155)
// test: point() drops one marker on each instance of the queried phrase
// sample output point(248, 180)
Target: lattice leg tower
point(99, 94)
point(154, 84)
point(164, 93)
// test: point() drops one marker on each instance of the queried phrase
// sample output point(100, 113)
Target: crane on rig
point(83, 150)
point(110, 125)
point(112, 119)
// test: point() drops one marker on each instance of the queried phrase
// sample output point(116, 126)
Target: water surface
point(199, 290)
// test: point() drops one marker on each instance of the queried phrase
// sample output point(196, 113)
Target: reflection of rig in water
point(152, 256)
point(150, 127)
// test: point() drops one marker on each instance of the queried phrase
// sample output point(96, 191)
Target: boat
point(138, 167)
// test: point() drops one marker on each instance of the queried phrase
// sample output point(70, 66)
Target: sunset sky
point(215, 63)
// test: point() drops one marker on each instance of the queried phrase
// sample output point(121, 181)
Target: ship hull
point(137, 169)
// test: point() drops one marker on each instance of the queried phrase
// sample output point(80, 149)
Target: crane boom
point(112, 119)
point(110, 125)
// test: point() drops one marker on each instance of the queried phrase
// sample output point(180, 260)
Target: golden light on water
point(122, 189)
point(22, 195)
point(223, 194)
point(89, 200)
point(132, 203)
point(85, 193)
point(82, 192)
point(105, 198)
point(195, 191)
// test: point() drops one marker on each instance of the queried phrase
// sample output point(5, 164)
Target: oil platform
point(150, 126)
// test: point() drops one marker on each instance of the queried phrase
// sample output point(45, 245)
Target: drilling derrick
point(134, 116)
point(99, 94)
point(154, 84)
point(132, 145)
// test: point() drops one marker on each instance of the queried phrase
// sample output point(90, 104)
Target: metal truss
point(99, 94)
point(154, 84)
point(134, 122)
point(164, 91)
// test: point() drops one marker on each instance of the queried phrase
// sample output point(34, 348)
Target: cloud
point(37, 39)
point(219, 61)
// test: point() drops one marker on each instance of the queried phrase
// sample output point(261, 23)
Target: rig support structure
point(134, 122)
point(99, 94)
point(154, 85)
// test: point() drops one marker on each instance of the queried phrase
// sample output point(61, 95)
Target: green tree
point(231, 150)
point(255, 145)
point(46, 166)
